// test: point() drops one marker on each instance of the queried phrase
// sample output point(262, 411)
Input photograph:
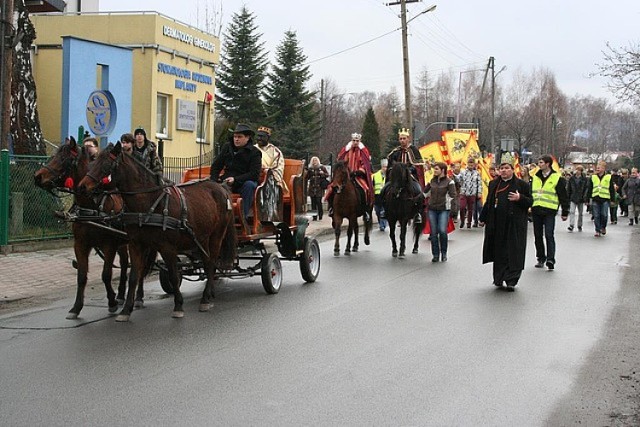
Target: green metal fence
point(26, 211)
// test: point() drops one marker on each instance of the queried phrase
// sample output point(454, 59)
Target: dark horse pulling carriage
point(93, 227)
point(198, 229)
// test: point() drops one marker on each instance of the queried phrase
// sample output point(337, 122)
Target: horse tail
point(149, 261)
point(229, 247)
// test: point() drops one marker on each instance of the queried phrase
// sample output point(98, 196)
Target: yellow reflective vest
point(545, 195)
point(378, 179)
point(601, 186)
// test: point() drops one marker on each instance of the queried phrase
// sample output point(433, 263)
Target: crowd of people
point(512, 202)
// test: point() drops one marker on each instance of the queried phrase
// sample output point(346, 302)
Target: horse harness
point(164, 220)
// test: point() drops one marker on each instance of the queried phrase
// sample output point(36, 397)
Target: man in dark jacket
point(238, 166)
point(505, 236)
point(577, 192)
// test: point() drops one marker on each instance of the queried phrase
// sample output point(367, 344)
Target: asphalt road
point(375, 341)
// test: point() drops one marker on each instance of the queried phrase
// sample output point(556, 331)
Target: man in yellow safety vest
point(379, 179)
point(601, 190)
point(549, 191)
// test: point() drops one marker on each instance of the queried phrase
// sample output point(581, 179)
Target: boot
point(636, 220)
point(631, 222)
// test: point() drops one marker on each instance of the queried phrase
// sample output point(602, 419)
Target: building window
point(162, 116)
point(201, 129)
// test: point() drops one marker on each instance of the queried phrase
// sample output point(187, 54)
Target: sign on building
point(187, 114)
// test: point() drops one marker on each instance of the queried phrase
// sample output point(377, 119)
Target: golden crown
point(404, 132)
point(265, 130)
point(507, 158)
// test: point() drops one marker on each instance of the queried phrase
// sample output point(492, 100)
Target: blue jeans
point(382, 222)
point(248, 193)
point(600, 212)
point(544, 227)
point(438, 221)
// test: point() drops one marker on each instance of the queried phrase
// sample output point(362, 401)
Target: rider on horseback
point(356, 155)
point(409, 154)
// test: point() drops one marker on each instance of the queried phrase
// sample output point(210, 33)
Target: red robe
point(357, 158)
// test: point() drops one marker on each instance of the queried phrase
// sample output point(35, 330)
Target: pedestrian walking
point(549, 191)
point(470, 193)
point(601, 191)
point(318, 179)
point(379, 178)
point(631, 196)
point(505, 215)
point(577, 192)
point(443, 200)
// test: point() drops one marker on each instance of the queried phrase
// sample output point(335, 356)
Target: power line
point(353, 47)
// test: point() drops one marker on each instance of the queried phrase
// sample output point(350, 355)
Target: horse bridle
point(109, 168)
point(67, 167)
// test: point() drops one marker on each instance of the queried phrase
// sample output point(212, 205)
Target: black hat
point(243, 129)
point(140, 130)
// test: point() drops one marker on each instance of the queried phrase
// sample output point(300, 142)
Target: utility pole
point(405, 65)
point(405, 58)
point(493, 106)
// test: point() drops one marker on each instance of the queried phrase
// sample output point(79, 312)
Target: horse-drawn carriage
point(278, 218)
point(197, 226)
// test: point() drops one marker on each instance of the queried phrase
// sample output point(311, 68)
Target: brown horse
point(400, 206)
point(68, 166)
point(195, 219)
point(347, 204)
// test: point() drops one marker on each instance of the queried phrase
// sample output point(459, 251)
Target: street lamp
point(460, 95)
point(405, 59)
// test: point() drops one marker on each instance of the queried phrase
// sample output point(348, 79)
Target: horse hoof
point(394, 254)
point(347, 253)
point(122, 318)
point(336, 253)
point(415, 251)
point(366, 240)
point(204, 307)
point(177, 314)
point(71, 316)
point(138, 303)
point(401, 255)
point(354, 250)
point(113, 308)
point(120, 301)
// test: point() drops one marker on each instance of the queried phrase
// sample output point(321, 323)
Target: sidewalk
point(40, 273)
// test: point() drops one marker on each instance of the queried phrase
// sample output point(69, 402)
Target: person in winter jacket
point(577, 192)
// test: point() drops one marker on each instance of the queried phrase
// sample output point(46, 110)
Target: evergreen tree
point(243, 66)
point(371, 137)
point(287, 100)
point(295, 140)
point(392, 139)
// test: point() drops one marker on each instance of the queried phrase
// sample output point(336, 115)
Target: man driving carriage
point(238, 166)
point(358, 160)
point(408, 153)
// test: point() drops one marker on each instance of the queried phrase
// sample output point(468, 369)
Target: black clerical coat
point(505, 235)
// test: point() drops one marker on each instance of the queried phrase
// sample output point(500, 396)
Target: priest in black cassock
point(505, 235)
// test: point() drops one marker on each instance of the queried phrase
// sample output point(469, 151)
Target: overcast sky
point(566, 37)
